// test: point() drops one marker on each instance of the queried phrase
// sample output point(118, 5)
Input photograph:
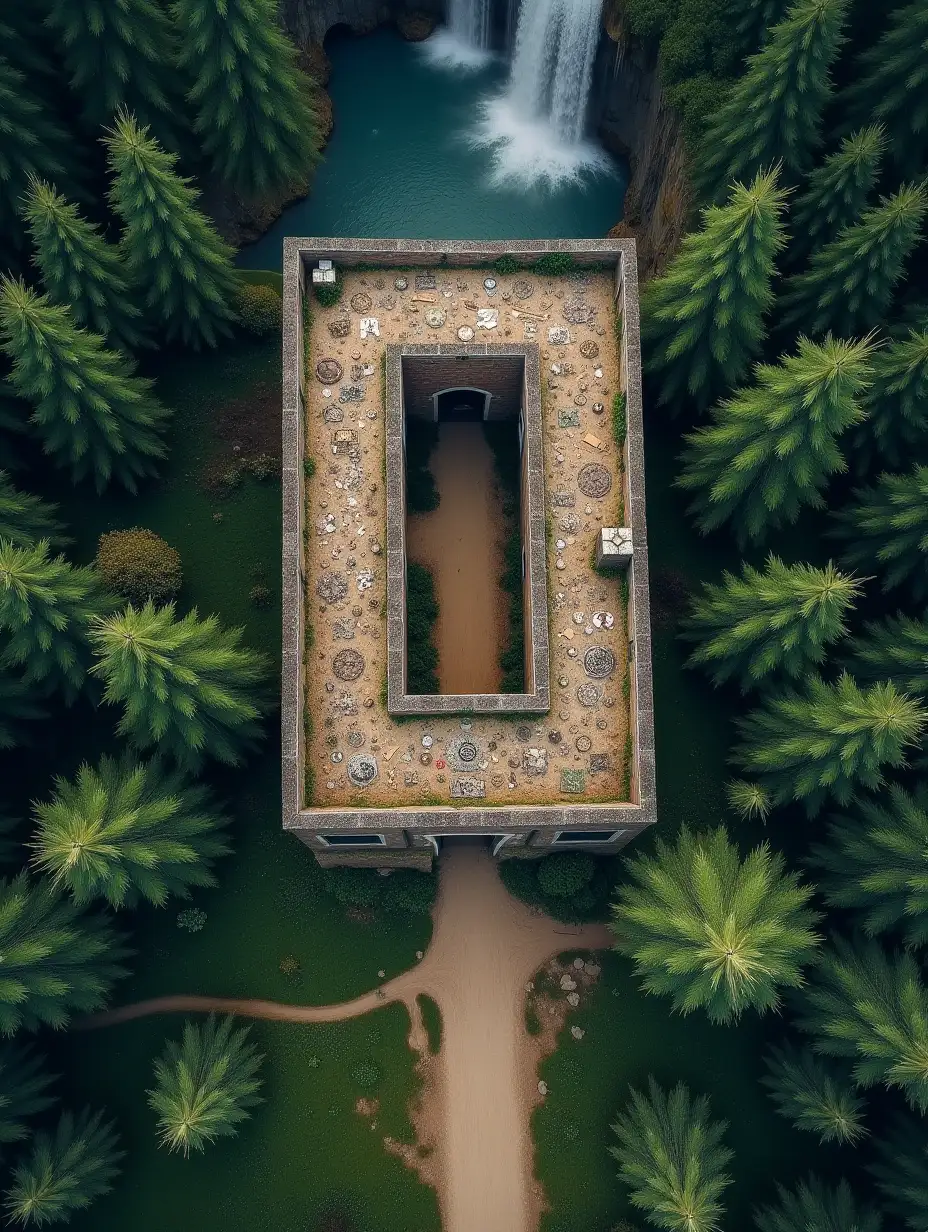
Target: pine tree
point(754, 19)
point(24, 518)
point(92, 413)
point(773, 111)
point(836, 193)
point(24, 1083)
point(65, 1171)
point(206, 1085)
point(872, 1007)
point(170, 248)
point(874, 863)
point(81, 270)
point(714, 930)
point(828, 741)
point(672, 1157)
point(780, 619)
point(772, 447)
point(117, 54)
point(128, 830)
point(55, 960)
point(892, 86)
point(17, 706)
point(815, 1207)
point(813, 1095)
point(748, 800)
point(886, 527)
point(702, 320)
point(251, 102)
point(848, 287)
point(902, 1172)
point(895, 649)
point(46, 609)
point(896, 404)
point(187, 687)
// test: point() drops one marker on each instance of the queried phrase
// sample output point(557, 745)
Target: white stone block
point(614, 547)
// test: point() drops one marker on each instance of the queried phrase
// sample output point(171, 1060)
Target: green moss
point(309, 467)
point(555, 264)
point(421, 614)
point(504, 444)
point(431, 1020)
point(619, 425)
point(506, 265)
point(329, 293)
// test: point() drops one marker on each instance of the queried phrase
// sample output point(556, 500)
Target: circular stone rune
point(599, 662)
point(583, 744)
point(435, 318)
point(465, 333)
point(589, 694)
point(332, 587)
point(401, 284)
point(589, 350)
point(467, 751)
point(348, 664)
point(576, 312)
point(362, 769)
point(362, 302)
point(594, 480)
point(522, 288)
point(328, 371)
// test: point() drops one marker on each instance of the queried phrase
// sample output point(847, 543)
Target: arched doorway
point(461, 405)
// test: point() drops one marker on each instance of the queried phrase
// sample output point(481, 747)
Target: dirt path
point(484, 949)
point(460, 543)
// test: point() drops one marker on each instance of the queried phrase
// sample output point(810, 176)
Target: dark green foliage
point(405, 890)
point(836, 192)
point(25, 519)
point(523, 878)
point(779, 619)
point(506, 265)
point(712, 929)
point(329, 293)
point(702, 320)
point(565, 875)
point(139, 565)
point(886, 528)
point(896, 649)
point(773, 112)
point(507, 466)
point(206, 1085)
point(619, 422)
point(126, 831)
point(816, 1207)
point(896, 404)
point(24, 1083)
point(187, 687)
point(902, 1172)
point(848, 287)
point(431, 1020)
point(815, 1096)
point(554, 264)
point(829, 740)
point(754, 19)
point(259, 309)
point(874, 863)
point(47, 608)
point(890, 84)
point(367, 1076)
point(56, 960)
point(17, 707)
point(421, 492)
point(80, 270)
point(91, 412)
point(31, 143)
point(172, 251)
point(251, 103)
point(870, 1006)
point(64, 1171)
point(421, 614)
point(772, 447)
point(672, 1158)
point(119, 53)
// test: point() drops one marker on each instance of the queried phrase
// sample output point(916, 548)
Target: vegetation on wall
point(421, 614)
point(504, 443)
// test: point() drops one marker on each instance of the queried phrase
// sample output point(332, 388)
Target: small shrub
point(289, 966)
point(367, 1075)
point(355, 887)
point(619, 426)
point(409, 890)
point(506, 265)
point(522, 878)
point(309, 467)
point(329, 293)
point(554, 264)
point(260, 596)
point(431, 1020)
point(139, 565)
point(564, 875)
point(191, 919)
point(421, 614)
point(259, 309)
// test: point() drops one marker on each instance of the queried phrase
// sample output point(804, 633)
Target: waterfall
point(552, 67)
point(469, 21)
point(512, 23)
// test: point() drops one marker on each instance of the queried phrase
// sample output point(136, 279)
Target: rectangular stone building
point(540, 340)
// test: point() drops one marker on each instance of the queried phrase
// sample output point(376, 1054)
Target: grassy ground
point(431, 1020)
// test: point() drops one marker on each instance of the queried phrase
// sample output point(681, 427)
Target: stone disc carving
point(340, 327)
point(362, 769)
point(594, 480)
point(356, 739)
point(523, 733)
point(463, 753)
point(589, 694)
point(583, 744)
point(578, 312)
point(523, 289)
point(589, 349)
point(362, 302)
point(328, 371)
point(332, 587)
point(599, 662)
point(401, 284)
point(434, 318)
point(348, 664)
point(465, 333)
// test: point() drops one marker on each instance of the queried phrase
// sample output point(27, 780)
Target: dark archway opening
point(461, 406)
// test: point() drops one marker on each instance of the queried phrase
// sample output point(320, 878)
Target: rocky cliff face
point(308, 21)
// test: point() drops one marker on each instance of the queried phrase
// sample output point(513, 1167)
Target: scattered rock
point(568, 983)
point(577, 1032)
point(542, 1088)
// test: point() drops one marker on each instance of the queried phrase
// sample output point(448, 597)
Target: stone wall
point(425, 377)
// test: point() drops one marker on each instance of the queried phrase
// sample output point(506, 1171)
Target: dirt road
point(484, 949)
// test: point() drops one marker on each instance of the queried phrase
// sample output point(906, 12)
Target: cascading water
point(552, 69)
point(469, 21)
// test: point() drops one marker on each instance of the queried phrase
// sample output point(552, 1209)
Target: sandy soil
point(460, 542)
point(485, 948)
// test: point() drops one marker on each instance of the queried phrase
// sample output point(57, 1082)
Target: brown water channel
point(461, 542)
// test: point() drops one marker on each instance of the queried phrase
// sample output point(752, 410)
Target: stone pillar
point(614, 547)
